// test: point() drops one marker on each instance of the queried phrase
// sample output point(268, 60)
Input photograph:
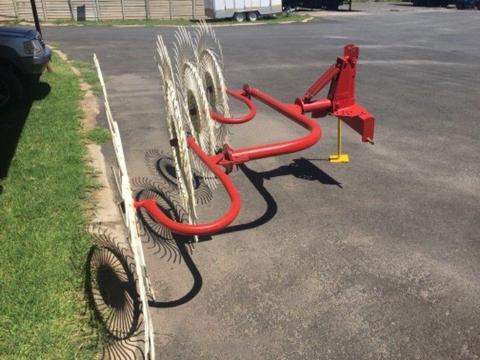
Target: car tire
point(460, 5)
point(11, 88)
point(239, 17)
point(252, 16)
point(31, 79)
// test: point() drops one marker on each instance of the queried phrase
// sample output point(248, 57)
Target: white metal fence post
point(44, 11)
point(15, 10)
point(70, 8)
point(96, 8)
point(147, 9)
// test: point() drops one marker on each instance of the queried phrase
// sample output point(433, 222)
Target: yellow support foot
point(339, 158)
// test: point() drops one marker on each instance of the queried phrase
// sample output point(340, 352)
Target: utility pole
point(35, 16)
point(37, 26)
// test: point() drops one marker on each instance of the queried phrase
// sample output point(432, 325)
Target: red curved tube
point(293, 112)
point(203, 229)
point(239, 95)
point(319, 105)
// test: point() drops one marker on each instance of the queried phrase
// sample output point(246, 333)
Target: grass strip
point(98, 135)
point(43, 196)
point(175, 22)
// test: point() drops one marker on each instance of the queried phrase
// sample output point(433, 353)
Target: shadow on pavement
point(300, 168)
point(168, 245)
point(112, 298)
point(303, 169)
point(12, 121)
point(172, 245)
point(306, 10)
point(182, 244)
point(257, 179)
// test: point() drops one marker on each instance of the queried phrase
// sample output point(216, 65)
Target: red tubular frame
point(239, 95)
point(204, 229)
point(291, 111)
point(340, 103)
point(231, 157)
point(323, 105)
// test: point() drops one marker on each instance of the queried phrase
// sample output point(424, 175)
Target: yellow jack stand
point(339, 157)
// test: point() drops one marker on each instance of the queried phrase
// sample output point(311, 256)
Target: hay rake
point(199, 122)
point(198, 118)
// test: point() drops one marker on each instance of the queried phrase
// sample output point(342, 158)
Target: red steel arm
point(203, 229)
point(291, 111)
point(239, 95)
point(318, 108)
point(318, 85)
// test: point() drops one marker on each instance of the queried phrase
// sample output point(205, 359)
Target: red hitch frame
point(340, 103)
point(242, 96)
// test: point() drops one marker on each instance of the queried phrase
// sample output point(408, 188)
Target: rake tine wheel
point(131, 222)
point(210, 66)
point(207, 39)
point(158, 163)
point(197, 119)
point(175, 113)
point(111, 293)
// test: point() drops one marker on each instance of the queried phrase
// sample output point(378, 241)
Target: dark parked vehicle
point(315, 4)
point(23, 58)
point(433, 3)
point(467, 4)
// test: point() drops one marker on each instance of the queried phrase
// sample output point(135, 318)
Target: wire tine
point(210, 65)
point(174, 115)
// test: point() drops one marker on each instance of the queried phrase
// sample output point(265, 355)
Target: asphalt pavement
point(375, 259)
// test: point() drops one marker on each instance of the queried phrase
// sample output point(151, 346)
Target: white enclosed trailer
point(241, 9)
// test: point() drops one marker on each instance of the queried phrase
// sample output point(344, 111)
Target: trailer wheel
point(239, 17)
point(252, 16)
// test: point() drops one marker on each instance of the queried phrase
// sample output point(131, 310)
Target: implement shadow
point(182, 244)
point(303, 168)
point(171, 246)
point(110, 289)
point(12, 122)
point(300, 168)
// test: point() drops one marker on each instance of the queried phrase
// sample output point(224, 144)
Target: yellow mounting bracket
point(339, 157)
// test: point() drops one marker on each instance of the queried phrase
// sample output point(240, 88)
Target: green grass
point(187, 22)
point(98, 135)
point(174, 22)
point(89, 74)
point(43, 198)
point(129, 22)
